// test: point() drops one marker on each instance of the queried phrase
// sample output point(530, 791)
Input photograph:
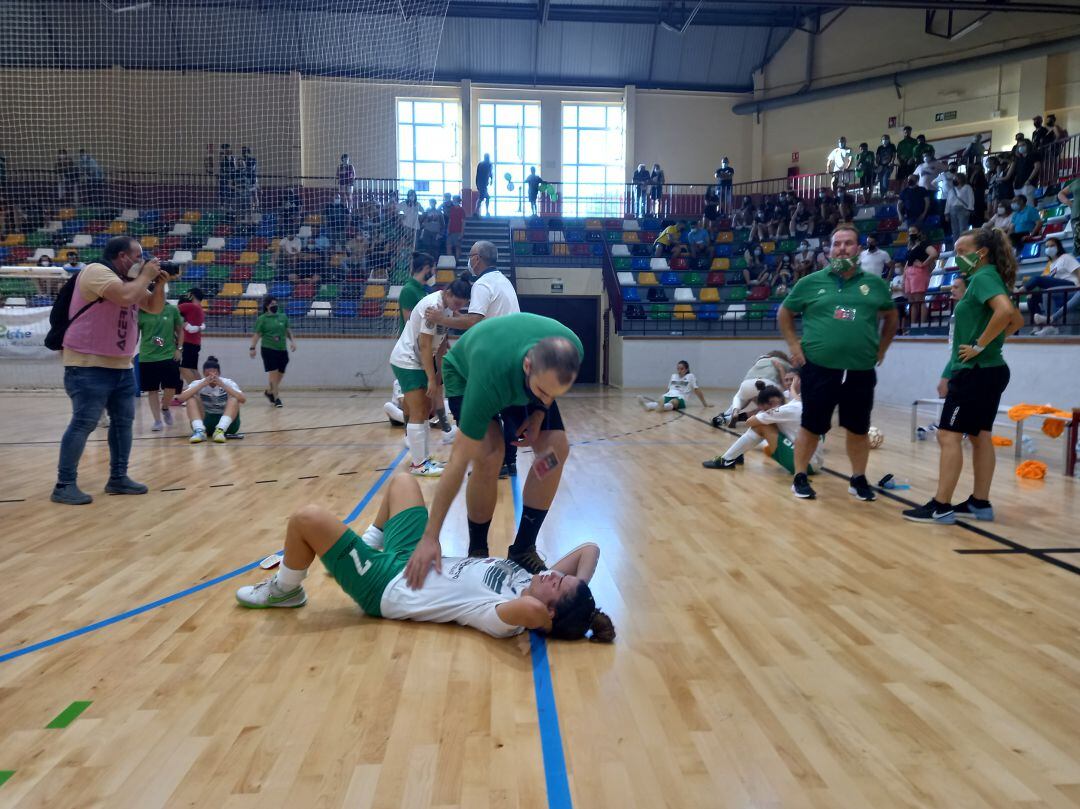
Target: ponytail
point(760, 384)
point(999, 252)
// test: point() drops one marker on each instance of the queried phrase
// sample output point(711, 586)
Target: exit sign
point(945, 116)
point(794, 157)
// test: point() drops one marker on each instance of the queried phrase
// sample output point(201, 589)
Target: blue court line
point(558, 786)
point(153, 605)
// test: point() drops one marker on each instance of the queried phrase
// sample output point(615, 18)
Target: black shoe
point(277, 403)
point(478, 552)
point(269, 396)
point(719, 421)
point(508, 470)
point(802, 488)
point(70, 495)
point(860, 487)
point(125, 485)
point(969, 511)
point(935, 512)
point(528, 559)
point(720, 462)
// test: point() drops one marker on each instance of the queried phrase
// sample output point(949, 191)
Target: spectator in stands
point(1070, 195)
point(905, 156)
point(725, 179)
point(249, 180)
point(93, 179)
point(669, 242)
point(291, 211)
point(846, 204)
point(756, 272)
point(532, 184)
point(194, 317)
point(410, 215)
point(432, 227)
point(921, 259)
point(484, 177)
point(44, 261)
point(927, 173)
point(335, 217)
point(976, 178)
point(959, 205)
point(226, 176)
point(160, 337)
point(804, 260)
point(865, 169)
point(682, 382)
point(884, 158)
point(640, 180)
point(1049, 327)
point(1002, 218)
point(455, 227)
point(710, 214)
point(759, 229)
point(998, 182)
point(1062, 270)
point(1019, 141)
point(922, 148)
point(73, 265)
point(1057, 133)
point(67, 178)
point(896, 290)
point(784, 276)
point(1040, 135)
point(1025, 171)
point(838, 162)
point(346, 181)
point(272, 326)
point(656, 187)
point(777, 215)
point(745, 216)
point(973, 154)
point(213, 404)
point(287, 258)
point(874, 260)
point(1025, 221)
point(699, 241)
point(829, 215)
point(98, 347)
point(802, 221)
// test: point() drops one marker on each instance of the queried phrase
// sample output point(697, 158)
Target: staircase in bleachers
point(491, 229)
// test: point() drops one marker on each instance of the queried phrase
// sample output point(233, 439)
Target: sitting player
point(493, 595)
point(393, 408)
point(768, 369)
point(682, 382)
point(213, 404)
point(774, 427)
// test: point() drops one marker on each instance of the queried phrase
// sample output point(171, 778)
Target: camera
point(172, 268)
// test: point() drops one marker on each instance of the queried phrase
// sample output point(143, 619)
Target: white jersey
point(406, 353)
point(214, 397)
point(466, 592)
point(680, 386)
point(787, 418)
point(763, 368)
point(493, 296)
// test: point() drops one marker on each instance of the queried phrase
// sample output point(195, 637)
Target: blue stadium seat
point(297, 308)
point(238, 243)
point(640, 263)
point(887, 212)
point(597, 250)
point(195, 272)
point(1031, 251)
point(669, 279)
point(630, 294)
point(346, 308)
point(281, 289)
point(722, 251)
point(708, 311)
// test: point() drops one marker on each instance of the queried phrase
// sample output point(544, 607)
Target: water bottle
point(1027, 445)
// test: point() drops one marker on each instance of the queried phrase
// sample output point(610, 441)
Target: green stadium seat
point(328, 292)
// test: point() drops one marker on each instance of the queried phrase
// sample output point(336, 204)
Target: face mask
point(1001, 210)
point(1015, 206)
point(842, 265)
point(913, 238)
point(967, 262)
point(273, 309)
point(871, 247)
point(135, 269)
point(1022, 150)
point(1052, 252)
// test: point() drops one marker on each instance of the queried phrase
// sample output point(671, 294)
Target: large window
point(510, 133)
point(593, 158)
point(429, 146)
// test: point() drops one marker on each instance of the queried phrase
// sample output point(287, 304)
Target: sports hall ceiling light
point(123, 9)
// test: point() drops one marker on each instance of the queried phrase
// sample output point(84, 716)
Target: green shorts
point(211, 421)
point(784, 454)
point(364, 572)
point(409, 378)
point(678, 403)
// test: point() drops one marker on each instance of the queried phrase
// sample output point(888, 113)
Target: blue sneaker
point(969, 511)
point(935, 512)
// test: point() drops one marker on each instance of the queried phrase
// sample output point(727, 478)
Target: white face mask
point(1052, 251)
point(135, 269)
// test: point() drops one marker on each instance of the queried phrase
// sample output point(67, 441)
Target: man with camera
point(99, 342)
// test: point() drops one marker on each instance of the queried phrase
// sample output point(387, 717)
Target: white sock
point(669, 405)
point(288, 579)
point(746, 441)
point(652, 406)
point(198, 426)
point(373, 537)
point(416, 434)
point(393, 411)
point(224, 422)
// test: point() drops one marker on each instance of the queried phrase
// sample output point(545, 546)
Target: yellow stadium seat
point(66, 213)
point(248, 257)
point(593, 224)
point(374, 291)
point(14, 239)
point(768, 247)
point(246, 307)
point(336, 259)
point(519, 235)
point(720, 264)
point(445, 277)
point(709, 295)
point(206, 257)
point(683, 311)
point(391, 309)
point(232, 291)
point(560, 249)
point(275, 244)
point(630, 237)
point(313, 219)
point(116, 227)
point(646, 279)
point(191, 216)
point(149, 242)
point(725, 237)
point(901, 238)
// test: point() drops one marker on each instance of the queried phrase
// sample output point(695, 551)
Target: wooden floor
point(771, 652)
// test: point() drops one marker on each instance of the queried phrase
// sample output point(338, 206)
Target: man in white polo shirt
point(492, 296)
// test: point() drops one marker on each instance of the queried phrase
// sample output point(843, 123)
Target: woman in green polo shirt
point(273, 327)
point(975, 376)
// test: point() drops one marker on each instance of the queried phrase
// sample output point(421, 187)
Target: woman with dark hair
point(213, 405)
point(493, 595)
point(273, 327)
point(975, 376)
point(768, 369)
point(1062, 270)
point(656, 187)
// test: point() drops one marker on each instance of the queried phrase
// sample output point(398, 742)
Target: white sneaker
point(219, 436)
point(373, 538)
point(158, 427)
point(449, 436)
point(266, 594)
point(1045, 331)
point(428, 469)
point(646, 402)
point(166, 414)
point(1040, 319)
point(197, 437)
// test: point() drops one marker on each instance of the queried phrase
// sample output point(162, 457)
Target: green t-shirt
point(410, 295)
point(484, 366)
point(905, 150)
point(923, 149)
point(1074, 189)
point(840, 317)
point(272, 327)
point(864, 164)
point(157, 334)
point(971, 316)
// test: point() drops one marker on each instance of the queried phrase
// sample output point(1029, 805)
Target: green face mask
point(967, 263)
point(842, 265)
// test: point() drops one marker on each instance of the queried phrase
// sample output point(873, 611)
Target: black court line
point(307, 477)
point(1015, 547)
point(220, 485)
point(177, 489)
point(353, 472)
point(267, 481)
point(973, 551)
point(17, 500)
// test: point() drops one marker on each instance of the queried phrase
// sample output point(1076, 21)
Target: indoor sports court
point(342, 255)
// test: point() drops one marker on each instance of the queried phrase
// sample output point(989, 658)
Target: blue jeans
point(1035, 301)
point(1070, 306)
point(92, 390)
point(884, 174)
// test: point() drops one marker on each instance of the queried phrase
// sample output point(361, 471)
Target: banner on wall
point(22, 332)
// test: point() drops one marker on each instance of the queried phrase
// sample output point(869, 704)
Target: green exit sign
point(945, 116)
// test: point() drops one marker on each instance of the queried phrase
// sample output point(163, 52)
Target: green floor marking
point(5, 775)
point(68, 715)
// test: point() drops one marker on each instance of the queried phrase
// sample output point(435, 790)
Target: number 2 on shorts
point(361, 567)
